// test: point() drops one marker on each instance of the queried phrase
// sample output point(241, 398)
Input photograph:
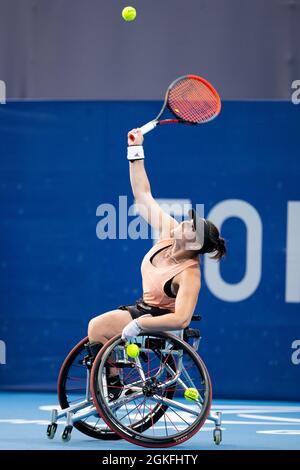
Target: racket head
point(192, 99)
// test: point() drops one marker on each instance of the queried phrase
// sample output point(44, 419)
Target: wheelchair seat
point(194, 333)
point(196, 317)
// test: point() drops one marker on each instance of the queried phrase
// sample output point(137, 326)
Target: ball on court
point(132, 350)
point(191, 394)
point(129, 13)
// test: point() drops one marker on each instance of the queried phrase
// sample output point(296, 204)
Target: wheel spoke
point(174, 403)
point(165, 365)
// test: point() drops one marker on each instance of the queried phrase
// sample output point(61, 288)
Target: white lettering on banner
point(2, 352)
point(296, 94)
point(109, 221)
point(292, 282)
point(2, 92)
point(296, 353)
point(138, 227)
point(177, 208)
point(247, 286)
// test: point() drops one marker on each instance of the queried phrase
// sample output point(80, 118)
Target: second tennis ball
point(129, 13)
point(191, 394)
point(132, 350)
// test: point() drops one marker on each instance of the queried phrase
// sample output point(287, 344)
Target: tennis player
point(171, 276)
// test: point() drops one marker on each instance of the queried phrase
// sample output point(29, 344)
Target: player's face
point(185, 231)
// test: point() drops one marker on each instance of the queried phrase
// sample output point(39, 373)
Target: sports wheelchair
point(152, 407)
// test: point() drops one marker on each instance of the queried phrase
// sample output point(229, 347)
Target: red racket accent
point(193, 99)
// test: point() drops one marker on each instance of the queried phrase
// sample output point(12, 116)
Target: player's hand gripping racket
point(191, 100)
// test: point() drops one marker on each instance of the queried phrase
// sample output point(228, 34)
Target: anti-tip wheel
point(217, 436)
point(51, 430)
point(66, 434)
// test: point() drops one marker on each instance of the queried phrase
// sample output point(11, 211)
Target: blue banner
point(61, 161)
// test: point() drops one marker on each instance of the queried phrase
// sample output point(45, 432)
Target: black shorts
point(141, 308)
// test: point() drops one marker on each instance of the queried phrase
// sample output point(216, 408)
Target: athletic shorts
point(141, 308)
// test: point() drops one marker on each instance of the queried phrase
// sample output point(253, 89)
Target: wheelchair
point(163, 398)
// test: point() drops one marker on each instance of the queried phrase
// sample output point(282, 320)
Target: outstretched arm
point(147, 207)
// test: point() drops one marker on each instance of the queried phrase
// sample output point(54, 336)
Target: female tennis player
point(171, 276)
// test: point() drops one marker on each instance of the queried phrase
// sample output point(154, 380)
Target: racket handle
point(146, 128)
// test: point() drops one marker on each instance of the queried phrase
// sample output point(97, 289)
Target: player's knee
point(92, 328)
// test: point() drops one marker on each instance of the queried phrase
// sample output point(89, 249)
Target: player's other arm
point(185, 304)
point(147, 207)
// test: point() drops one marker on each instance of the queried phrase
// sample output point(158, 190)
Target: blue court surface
point(246, 425)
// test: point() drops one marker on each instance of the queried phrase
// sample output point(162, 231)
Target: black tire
point(74, 360)
point(134, 432)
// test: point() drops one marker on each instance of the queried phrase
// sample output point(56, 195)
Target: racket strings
point(193, 101)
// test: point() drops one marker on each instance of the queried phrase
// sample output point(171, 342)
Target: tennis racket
point(191, 100)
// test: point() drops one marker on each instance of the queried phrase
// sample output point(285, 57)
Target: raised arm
point(147, 207)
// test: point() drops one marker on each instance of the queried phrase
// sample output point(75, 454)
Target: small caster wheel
point(217, 436)
point(66, 434)
point(51, 430)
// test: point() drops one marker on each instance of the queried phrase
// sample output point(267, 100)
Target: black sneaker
point(114, 387)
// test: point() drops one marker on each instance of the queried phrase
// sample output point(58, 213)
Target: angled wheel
point(166, 390)
point(72, 388)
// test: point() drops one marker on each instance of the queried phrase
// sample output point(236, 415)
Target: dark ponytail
point(214, 243)
point(220, 249)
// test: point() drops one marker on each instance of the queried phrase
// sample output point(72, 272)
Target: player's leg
point(105, 326)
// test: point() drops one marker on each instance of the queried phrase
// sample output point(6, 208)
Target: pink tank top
point(155, 278)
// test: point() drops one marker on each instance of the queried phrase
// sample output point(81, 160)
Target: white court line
point(25, 421)
point(256, 407)
point(50, 407)
point(249, 423)
point(271, 418)
point(281, 432)
point(257, 410)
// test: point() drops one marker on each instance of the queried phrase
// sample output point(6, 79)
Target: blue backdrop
point(61, 160)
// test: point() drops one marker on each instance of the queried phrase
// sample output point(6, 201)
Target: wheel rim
point(176, 424)
point(72, 389)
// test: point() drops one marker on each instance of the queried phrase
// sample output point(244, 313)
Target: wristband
point(135, 152)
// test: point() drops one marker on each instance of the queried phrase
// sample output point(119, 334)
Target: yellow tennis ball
point(132, 350)
point(191, 394)
point(129, 13)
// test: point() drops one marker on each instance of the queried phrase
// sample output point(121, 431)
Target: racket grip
point(144, 129)
point(148, 127)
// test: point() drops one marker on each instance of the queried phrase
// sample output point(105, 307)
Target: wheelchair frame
point(85, 408)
